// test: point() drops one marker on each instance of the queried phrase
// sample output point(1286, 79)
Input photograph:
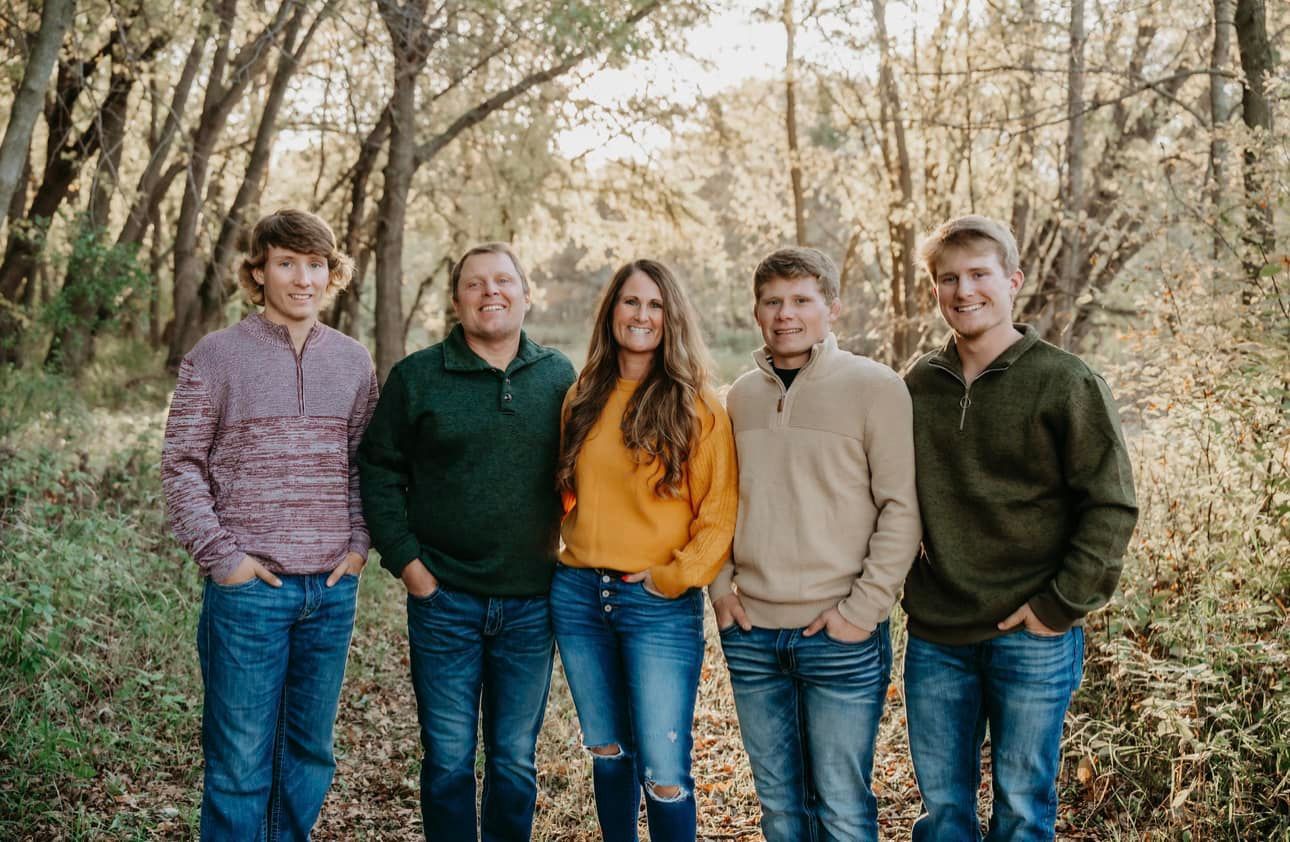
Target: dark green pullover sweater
point(458, 467)
point(1025, 489)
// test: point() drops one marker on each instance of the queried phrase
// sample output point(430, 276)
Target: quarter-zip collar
point(457, 355)
point(947, 359)
point(278, 335)
point(825, 347)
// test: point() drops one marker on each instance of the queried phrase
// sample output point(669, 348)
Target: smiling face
point(974, 291)
point(490, 299)
point(637, 321)
point(794, 316)
point(294, 285)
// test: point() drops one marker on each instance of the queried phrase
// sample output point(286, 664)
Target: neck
point(496, 352)
point(977, 352)
point(298, 330)
point(633, 366)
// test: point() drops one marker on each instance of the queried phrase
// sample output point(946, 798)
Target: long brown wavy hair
point(661, 422)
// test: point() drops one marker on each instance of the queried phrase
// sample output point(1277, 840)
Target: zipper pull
point(964, 403)
point(780, 406)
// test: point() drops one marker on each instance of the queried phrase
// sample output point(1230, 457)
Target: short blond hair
point(795, 262)
point(966, 231)
point(299, 231)
point(454, 277)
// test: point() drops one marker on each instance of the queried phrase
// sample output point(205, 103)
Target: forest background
point(1131, 144)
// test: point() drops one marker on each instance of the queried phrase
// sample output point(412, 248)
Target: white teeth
point(491, 308)
point(788, 331)
point(640, 330)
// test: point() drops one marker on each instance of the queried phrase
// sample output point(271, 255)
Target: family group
point(529, 509)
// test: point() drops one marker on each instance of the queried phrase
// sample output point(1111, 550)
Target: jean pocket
point(427, 600)
point(854, 644)
point(238, 587)
point(1046, 638)
point(729, 630)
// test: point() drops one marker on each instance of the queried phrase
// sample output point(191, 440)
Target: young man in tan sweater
point(827, 528)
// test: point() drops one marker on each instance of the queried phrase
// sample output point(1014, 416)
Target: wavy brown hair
point(299, 231)
point(661, 422)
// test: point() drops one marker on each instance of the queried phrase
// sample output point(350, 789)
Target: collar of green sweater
point(457, 355)
point(948, 356)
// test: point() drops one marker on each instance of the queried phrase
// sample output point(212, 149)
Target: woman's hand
point(647, 582)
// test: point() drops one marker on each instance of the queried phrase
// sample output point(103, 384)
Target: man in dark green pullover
point(458, 487)
point(1027, 501)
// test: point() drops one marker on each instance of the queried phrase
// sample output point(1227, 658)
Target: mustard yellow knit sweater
point(617, 521)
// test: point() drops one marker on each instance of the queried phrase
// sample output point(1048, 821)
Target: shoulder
point(554, 363)
point(1057, 364)
point(860, 371)
point(748, 383)
point(420, 363)
point(222, 351)
point(345, 346)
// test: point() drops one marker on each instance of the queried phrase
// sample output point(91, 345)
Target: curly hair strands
point(298, 231)
point(661, 422)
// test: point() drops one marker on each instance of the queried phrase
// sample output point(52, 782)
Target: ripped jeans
point(632, 660)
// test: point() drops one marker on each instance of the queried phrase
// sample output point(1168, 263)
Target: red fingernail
point(623, 577)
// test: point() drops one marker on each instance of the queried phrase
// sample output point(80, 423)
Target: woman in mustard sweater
point(647, 469)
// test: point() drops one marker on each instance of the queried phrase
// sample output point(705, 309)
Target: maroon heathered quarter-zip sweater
point(259, 449)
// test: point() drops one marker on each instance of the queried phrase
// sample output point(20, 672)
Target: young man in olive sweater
point(458, 485)
point(1027, 501)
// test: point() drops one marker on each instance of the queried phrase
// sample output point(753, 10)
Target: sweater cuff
point(860, 614)
point(1051, 612)
point(400, 555)
point(724, 584)
point(223, 568)
point(668, 580)
point(359, 544)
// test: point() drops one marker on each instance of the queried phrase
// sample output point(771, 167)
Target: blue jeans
point(272, 660)
point(632, 660)
point(809, 709)
point(1019, 685)
point(473, 656)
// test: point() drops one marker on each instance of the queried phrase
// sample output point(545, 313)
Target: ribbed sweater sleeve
point(360, 539)
point(889, 449)
point(1099, 479)
point(383, 462)
point(186, 480)
point(714, 496)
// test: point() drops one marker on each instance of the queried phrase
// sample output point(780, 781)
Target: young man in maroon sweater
point(261, 487)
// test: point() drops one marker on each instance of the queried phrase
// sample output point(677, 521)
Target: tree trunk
point(222, 95)
point(904, 295)
point(215, 288)
point(1074, 200)
point(393, 210)
point(794, 155)
point(1257, 62)
point(1025, 165)
point(1220, 108)
point(72, 347)
point(155, 180)
point(344, 312)
point(55, 18)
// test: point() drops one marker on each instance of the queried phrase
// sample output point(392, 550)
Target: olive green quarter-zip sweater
point(1025, 489)
point(458, 467)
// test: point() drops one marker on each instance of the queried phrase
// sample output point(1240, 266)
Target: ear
point(835, 309)
point(1015, 282)
point(258, 276)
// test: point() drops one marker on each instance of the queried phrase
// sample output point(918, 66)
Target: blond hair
point(967, 231)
